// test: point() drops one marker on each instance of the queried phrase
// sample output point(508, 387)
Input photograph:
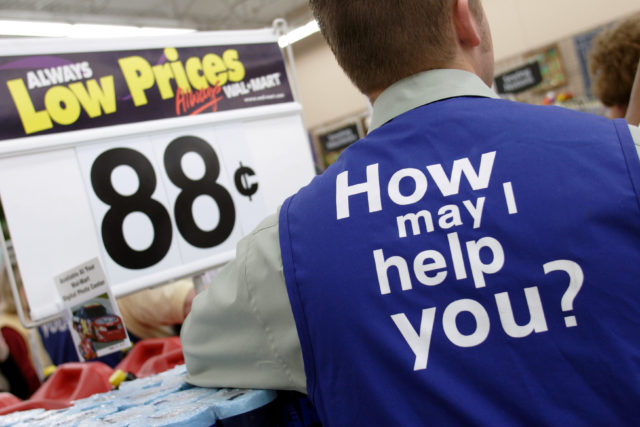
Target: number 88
point(121, 206)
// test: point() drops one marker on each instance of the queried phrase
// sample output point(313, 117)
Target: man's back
point(477, 263)
point(471, 261)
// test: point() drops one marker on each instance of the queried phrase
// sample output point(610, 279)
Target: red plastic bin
point(147, 349)
point(8, 399)
point(75, 380)
point(160, 363)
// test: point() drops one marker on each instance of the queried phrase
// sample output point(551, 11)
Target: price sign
point(154, 158)
point(166, 199)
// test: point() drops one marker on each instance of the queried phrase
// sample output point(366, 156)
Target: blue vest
point(472, 262)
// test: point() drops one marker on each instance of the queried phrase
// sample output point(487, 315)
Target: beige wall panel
point(326, 92)
point(549, 20)
point(504, 19)
point(521, 25)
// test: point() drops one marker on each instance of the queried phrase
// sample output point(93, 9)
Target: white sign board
point(153, 157)
point(93, 315)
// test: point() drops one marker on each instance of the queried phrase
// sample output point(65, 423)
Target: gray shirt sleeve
point(635, 134)
point(240, 331)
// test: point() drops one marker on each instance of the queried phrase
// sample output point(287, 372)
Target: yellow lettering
point(62, 105)
point(193, 74)
point(171, 54)
point(181, 76)
point(164, 75)
point(193, 67)
point(32, 120)
point(137, 73)
point(236, 68)
point(214, 69)
point(95, 96)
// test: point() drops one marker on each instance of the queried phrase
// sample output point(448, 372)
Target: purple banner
point(47, 94)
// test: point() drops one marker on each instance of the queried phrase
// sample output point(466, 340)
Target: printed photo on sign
point(97, 326)
point(95, 321)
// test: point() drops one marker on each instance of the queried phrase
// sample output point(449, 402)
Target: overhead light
point(96, 31)
point(60, 29)
point(299, 33)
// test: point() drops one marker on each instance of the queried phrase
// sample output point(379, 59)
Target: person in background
point(471, 261)
point(12, 379)
point(151, 313)
point(22, 355)
point(613, 61)
point(157, 312)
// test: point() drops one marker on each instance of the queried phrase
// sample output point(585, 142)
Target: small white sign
point(92, 313)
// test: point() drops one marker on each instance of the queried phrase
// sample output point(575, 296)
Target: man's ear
point(466, 26)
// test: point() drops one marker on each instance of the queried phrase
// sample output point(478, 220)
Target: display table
point(164, 399)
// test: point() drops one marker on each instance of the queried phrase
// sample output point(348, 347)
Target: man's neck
point(457, 64)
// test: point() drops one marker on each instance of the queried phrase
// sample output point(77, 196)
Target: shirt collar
point(424, 88)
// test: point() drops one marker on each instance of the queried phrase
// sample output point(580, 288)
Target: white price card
point(166, 199)
point(92, 313)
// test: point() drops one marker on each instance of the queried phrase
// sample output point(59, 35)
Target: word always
point(59, 75)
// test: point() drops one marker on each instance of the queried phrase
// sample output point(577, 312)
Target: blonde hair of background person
point(152, 313)
point(613, 61)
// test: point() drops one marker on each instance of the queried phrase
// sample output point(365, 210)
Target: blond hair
point(7, 302)
point(613, 61)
